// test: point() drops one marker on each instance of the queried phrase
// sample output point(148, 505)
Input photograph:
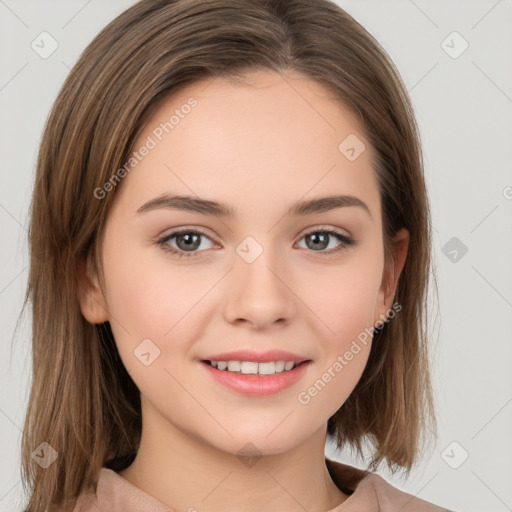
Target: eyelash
point(162, 242)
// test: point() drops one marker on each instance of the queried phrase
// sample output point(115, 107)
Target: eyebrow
point(209, 207)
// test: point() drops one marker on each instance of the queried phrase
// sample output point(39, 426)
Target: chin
point(255, 443)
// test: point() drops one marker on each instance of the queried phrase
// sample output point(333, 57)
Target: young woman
point(230, 253)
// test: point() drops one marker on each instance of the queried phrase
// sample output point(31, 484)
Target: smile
point(256, 378)
point(252, 367)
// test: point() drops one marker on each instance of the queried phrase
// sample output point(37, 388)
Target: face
point(186, 284)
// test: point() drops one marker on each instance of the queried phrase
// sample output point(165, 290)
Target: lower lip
point(259, 385)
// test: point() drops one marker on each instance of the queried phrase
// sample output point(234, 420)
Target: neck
point(187, 474)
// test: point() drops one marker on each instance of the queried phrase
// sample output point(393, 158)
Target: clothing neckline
point(346, 478)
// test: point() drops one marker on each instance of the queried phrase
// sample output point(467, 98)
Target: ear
point(391, 274)
point(92, 302)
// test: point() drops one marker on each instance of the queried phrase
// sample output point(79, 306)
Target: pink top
point(368, 492)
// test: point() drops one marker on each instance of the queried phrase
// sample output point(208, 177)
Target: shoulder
point(87, 502)
point(389, 497)
point(369, 491)
point(113, 493)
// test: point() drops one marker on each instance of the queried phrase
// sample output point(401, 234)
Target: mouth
point(256, 378)
point(254, 367)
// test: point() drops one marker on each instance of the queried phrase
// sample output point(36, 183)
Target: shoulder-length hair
point(82, 401)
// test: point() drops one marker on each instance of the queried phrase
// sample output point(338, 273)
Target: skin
point(259, 147)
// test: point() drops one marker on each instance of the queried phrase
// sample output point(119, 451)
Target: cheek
point(155, 301)
point(153, 298)
point(149, 298)
point(342, 298)
point(343, 305)
point(343, 349)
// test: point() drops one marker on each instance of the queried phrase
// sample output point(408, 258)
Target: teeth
point(253, 368)
point(267, 368)
point(234, 366)
point(280, 366)
point(247, 367)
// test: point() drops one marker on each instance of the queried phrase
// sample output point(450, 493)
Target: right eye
point(185, 239)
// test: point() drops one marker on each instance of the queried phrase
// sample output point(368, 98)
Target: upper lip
point(257, 357)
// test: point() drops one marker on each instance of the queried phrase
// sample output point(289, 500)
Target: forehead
point(268, 139)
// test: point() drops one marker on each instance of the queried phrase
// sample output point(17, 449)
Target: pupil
point(319, 239)
point(189, 240)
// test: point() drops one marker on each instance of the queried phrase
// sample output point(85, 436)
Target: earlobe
point(392, 272)
point(92, 302)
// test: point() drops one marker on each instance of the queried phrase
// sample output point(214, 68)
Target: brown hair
point(82, 402)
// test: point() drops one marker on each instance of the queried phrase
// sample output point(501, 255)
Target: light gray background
point(464, 109)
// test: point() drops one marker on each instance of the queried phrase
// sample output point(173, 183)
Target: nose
point(260, 293)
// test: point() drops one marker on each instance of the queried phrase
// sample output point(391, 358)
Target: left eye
point(188, 242)
point(320, 240)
